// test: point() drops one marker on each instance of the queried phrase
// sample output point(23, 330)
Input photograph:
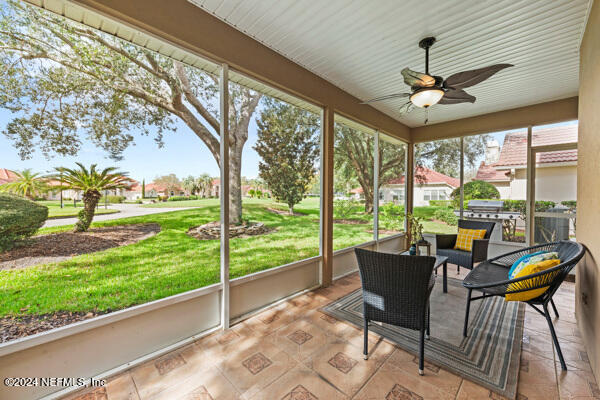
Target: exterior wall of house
point(556, 184)
point(551, 183)
point(420, 193)
point(587, 297)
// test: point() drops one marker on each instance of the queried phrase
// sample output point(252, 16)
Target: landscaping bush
point(19, 219)
point(178, 198)
point(571, 204)
point(441, 203)
point(477, 190)
point(112, 199)
point(391, 216)
point(446, 215)
point(344, 209)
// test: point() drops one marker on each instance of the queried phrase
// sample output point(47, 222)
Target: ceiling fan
point(427, 90)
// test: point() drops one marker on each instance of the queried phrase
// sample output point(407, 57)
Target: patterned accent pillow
point(465, 237)
point(520, 260)
point(551, 255)
point(529, 270)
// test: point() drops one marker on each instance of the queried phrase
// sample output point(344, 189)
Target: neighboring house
point(215, 188)
point(7, 176)
point(555, 174)
point(152, 190)
point(428, 185)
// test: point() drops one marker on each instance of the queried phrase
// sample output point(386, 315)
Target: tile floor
point(295, 352)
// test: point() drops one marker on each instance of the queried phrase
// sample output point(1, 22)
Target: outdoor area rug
point(489, 356)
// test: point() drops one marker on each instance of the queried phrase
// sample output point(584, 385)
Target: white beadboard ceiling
point(361, 46)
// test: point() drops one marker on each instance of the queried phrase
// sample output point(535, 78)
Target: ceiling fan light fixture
point(426, 97)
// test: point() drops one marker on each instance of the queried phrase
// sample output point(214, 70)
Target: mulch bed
point(347, 221)
point(62, 246)
point(17, 327)
point(212, 230)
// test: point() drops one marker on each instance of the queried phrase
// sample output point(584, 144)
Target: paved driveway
point(126, 210)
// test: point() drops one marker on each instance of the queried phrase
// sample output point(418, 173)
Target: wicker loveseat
point(491, 279)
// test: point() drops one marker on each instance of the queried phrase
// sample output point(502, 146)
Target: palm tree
point(28, 184)
point(190, 185)
point(204, 183)
point(91, 182)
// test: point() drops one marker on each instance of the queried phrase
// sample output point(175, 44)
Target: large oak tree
point(66, 83)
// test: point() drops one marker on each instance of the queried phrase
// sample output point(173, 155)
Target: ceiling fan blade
point(387, 97)
point(414, 78)
point(406, 108)
point(470, 78)
point(456, 96)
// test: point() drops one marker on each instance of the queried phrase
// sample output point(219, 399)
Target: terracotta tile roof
point(6, 176)
point(489, 173)
point(514, 149)
point(426, 176)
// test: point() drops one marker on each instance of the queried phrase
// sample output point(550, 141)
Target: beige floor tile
point(301, 339)
point(434, 375)
point(328, 323)
point(122, 388)
point(395, 383)
point(343, 366)
point(208, 384)
point(253, 368)
point(270, 320)
point(300, 383)
point(575, 383)
point(160, 374)
point(472, 391)
point(537, 380)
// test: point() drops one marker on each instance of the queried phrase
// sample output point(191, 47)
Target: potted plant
point(415, 232)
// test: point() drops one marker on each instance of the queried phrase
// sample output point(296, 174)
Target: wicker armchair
point(396, 291)
point(445, 245)
point(491, 278)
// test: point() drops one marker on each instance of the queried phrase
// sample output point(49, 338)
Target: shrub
point(441, 203)
point(477, 190)
point(19, 219)
point(391, 216)
point(571, 204)
point(112, 199)
point(446, 215)
point(177, 198)
point(344, 209)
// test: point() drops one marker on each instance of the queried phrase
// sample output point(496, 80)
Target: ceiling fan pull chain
point(426, 115)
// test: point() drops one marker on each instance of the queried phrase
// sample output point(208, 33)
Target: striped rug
point(489, 356)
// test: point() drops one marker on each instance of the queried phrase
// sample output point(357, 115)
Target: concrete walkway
point(126, 210)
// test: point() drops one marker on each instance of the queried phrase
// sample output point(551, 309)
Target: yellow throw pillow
point(464, 240)
point(529, 270)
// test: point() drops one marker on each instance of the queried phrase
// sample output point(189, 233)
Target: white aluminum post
point(462, 177)
point(530, 196)
point(321, 191)
point(224, 168)
point(376, 190)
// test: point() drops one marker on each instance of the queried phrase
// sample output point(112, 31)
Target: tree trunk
point(90, 201)
point(235, 185)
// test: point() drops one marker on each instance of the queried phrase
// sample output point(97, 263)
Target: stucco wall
point(588, 190)
point(556, 184)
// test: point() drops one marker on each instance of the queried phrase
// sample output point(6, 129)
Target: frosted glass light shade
point(426, 97)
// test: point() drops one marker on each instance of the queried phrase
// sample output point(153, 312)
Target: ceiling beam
point(537, 114)
point(188, 26)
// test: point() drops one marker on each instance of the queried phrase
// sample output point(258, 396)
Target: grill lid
point(491, 205)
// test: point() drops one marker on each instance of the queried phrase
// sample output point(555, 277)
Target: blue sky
point(183, 154)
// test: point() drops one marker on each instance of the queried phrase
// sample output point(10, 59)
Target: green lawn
point(54, 210)
point(170, 262)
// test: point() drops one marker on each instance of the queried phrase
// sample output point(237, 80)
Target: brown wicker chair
point(396, 291)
